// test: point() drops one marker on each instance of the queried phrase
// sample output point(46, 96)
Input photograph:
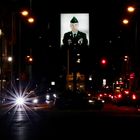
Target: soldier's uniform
point(74, 40)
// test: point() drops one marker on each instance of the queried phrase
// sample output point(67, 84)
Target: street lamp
point(125, 21)
point(126, 66)
point(130, 9)
point(24, 13)
point(19, 18)
point(28, 16)
point(10, 59)
point(30, 19)
point(29, 60)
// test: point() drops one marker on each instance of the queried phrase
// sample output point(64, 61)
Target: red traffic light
point(103, 61)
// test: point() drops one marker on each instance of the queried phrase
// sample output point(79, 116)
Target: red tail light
point(100, 95)
point(134, 97)
point(126, 91)
point(119, 96)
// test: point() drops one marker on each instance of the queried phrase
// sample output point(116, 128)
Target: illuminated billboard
point(74, 29)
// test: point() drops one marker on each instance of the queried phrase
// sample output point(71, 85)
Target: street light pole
point(19, 45)
point(1, 63)
point(22, 15)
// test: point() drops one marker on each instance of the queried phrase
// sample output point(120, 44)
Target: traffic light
point(103, 61)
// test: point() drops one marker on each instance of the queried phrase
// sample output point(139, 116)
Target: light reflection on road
point(22, 126)
point(30, 125)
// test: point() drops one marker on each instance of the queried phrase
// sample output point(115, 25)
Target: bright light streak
point(18, 98)
point(20, 101)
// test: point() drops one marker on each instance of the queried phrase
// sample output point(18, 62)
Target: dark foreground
point(67, 124)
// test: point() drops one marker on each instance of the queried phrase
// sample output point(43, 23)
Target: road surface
point(42, 124)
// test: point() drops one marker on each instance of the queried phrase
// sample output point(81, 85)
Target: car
point(136, 98)
point(107, 97)
point(78, 100)
point(106, 94)
point(96, 103)
point(125, 97)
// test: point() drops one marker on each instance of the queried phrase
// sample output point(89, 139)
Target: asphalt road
point(41, 124)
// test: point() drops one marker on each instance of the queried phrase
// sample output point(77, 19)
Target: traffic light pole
point(74, 53)
point(70, 52)
point(74, 80)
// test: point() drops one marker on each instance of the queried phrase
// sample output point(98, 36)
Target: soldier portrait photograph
point(75, 30)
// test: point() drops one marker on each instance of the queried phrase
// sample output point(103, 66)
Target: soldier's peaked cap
point(74, 20)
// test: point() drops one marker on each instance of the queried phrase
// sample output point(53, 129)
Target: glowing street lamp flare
point(10, 59)
point(24, 13)
point(30, 59)
point(19, 100)
point(125, 21)
point(30, 19)
point(130, 9)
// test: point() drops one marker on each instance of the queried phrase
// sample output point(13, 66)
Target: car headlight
point(35, 101)
point(90, 101)
point(103, 101)
point(20, 101)
point(47, 97)
point(54, 95)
